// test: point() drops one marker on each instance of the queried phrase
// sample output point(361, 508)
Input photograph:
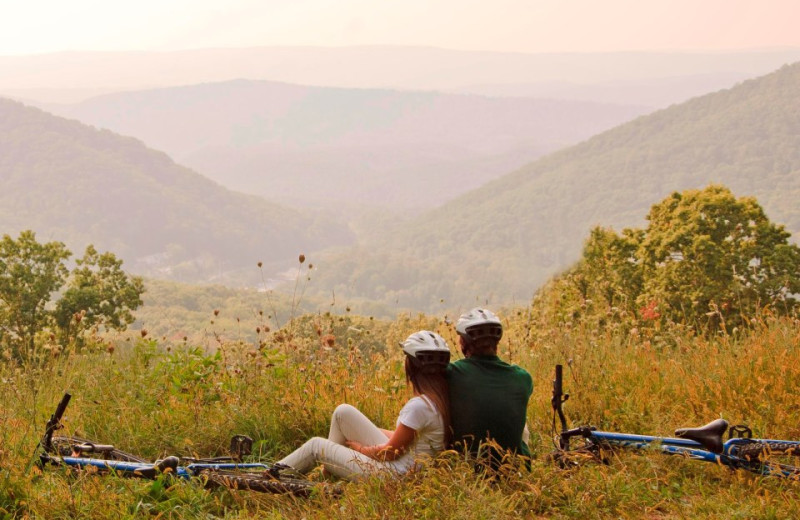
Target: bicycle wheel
point(262, 482)
point(761, 450)
point(64, 446)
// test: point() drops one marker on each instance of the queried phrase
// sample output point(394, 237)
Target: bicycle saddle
point(710, 435)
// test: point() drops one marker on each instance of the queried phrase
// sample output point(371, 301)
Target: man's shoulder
point(505, 365)
point(515, 373)
point(494, 364)
point(457, 367)
point(520, 370)
point(458, 363)
point(519, 373)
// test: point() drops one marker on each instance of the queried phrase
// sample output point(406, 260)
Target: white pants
point(347, 424)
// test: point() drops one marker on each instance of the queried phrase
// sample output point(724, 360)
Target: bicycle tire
point(760, 450)
point(63, 447)
point(260, 482)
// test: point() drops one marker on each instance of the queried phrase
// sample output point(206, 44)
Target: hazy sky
point(34, 26)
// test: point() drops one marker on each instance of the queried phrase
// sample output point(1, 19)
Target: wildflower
point(650, 311)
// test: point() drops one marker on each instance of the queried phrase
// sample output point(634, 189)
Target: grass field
point(154, 398)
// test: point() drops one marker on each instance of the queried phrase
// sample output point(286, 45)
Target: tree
point(99, 294)
point(706, 258)
point(610, 268)
point(712, 259)
point(30, 273)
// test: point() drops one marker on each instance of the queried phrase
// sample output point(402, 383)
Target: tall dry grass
point(153, 399)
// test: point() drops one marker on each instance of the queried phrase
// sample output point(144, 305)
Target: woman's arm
point(401, 439)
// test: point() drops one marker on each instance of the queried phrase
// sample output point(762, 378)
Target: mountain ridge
point(80, 185)
point(367, 66)
point(503, 240)
point(343, 147)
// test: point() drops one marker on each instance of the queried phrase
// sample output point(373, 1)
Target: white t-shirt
point(421, 415)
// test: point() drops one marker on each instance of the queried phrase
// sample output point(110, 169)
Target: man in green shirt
point(488, 397)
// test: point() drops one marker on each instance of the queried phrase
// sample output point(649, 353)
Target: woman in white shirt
point(356, 447)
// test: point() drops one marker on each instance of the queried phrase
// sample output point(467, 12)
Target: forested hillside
point(501, 241)
point(75, 184)
point(342, 148)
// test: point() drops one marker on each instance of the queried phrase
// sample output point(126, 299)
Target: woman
point(356, 447)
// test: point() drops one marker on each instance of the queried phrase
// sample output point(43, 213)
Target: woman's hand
point(374, 452)
point(353, 445)
point(400, 440)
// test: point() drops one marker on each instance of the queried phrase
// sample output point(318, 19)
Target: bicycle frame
point(138, 468)
point(707, 447)
point(147, 470)
point(229, 471)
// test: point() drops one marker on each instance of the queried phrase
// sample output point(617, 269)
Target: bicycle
point(228, 471)
point(704, 443)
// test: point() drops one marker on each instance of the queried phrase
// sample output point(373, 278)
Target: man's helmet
point(427, 348)
point(479, 323)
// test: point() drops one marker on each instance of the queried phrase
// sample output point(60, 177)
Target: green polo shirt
point(488, 400)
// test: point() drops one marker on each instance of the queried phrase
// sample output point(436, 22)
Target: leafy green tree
point(30, 273)
point(602, 288)
point(712, 259)
point(610, 270)
point(706, 258)
point(99, 294)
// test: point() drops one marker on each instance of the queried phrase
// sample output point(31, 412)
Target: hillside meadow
point(156, 397)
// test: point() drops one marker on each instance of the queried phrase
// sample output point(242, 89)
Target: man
point(488, 397)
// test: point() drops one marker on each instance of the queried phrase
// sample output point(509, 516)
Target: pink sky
point(35, 26)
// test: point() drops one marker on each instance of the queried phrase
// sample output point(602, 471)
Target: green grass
point(152, 398)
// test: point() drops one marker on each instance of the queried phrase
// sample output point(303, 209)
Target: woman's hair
point(429, 380)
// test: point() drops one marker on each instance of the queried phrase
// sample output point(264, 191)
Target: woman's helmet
point(427, 348)
point(478, 324)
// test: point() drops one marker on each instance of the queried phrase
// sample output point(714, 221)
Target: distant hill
point(500, 242)
point(75, 75)
point(343, 148)
point(656, 92)
point(75, 184)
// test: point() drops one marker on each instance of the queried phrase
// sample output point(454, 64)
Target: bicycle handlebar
point(54, 422)
point(559, 397)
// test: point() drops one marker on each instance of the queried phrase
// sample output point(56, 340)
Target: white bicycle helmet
point(479, 323)
point(427, 348)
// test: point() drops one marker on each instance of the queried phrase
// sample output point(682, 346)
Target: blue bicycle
point(228, 471)
point(705, 443)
